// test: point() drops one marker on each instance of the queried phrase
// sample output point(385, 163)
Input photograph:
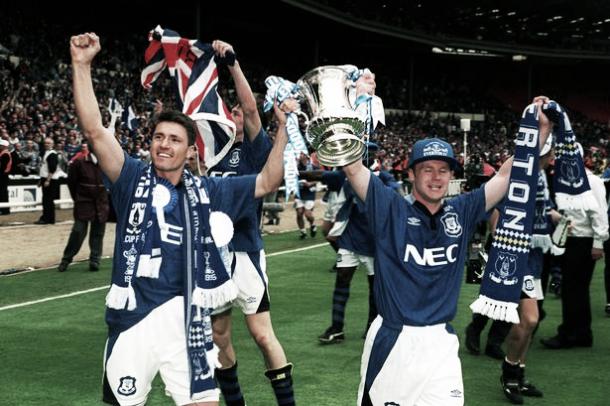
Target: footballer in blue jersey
point(305, 202)
point(149, 317)
point(248, 156)
point(411, 352)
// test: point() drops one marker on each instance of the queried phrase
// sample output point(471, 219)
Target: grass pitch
point(51, 352)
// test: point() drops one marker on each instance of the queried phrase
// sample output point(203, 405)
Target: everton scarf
point(570, 183)
point(541, 237)
point(503, 278)
point(208, 283)
point(278, 90)
point(192, 65)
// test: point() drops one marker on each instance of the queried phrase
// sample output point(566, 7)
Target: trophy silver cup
point(334, 128)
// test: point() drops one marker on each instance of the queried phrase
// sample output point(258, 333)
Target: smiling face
point(430, 182)
point(169, 149)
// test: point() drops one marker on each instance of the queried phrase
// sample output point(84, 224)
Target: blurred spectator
point(5, 169)
point(31, 158)
point(90, 207)
point(18, 166)
point(50, 172)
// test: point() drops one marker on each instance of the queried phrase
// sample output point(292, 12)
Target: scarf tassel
point(213, 298)
point(119, 296)
point(496, 309)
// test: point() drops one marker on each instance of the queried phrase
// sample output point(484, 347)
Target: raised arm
point(83, 49)
point(272, 175)
point(357, 174)
point(497, 187)
point(311, 176)
point(252, 121)
point(359, 177)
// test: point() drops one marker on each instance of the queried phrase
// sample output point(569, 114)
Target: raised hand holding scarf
point(501, 284)
point(570, 183)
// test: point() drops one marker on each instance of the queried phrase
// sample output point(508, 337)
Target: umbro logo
point(413, 221)
point(456, 393)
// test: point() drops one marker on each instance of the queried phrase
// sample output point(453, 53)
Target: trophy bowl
point(334, 129)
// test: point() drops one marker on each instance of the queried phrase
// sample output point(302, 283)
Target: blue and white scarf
point(205, 265)
point(278, 90)
point(543, 229)
point(503, 277)
point(369, 107)
point(570, 183)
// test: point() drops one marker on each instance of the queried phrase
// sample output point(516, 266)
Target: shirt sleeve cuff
point(598, 244)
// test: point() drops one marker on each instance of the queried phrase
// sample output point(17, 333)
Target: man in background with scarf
point(169, 265)
point(246, 157)
point(518, 340)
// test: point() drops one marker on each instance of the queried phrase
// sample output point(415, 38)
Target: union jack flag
point(192, 66)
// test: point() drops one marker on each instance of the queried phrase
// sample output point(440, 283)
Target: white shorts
point(532, 287)
point(348, 259)
point(334, 203)
point(307, 204)
point(155, 344)
point(411, 366)
point(249, 273)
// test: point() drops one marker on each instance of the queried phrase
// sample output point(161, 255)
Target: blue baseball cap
point(432, 149)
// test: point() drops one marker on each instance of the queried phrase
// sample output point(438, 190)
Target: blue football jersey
point(306, 192)
point(151, 292)
point(419, 257)
point(245, 159)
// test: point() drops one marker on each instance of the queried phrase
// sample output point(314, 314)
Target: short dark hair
point(174, 116)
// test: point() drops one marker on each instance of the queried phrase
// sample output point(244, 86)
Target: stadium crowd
point(36, 102)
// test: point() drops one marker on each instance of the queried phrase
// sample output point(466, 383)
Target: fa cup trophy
point(334, 128)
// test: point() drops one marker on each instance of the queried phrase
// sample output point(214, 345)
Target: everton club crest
point(504, 269)
point(451, 225)
point(127, 386)
point(569, 173)
point(234, 160)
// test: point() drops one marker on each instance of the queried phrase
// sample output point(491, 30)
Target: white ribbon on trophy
point(369, 107)
point(279, 90)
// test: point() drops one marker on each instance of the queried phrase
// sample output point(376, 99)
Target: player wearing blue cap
point(411, 352)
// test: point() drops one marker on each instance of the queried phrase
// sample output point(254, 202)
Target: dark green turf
point(51, 353)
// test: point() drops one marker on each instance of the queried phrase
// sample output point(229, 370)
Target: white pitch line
point(82, 292)
point(46, 299)
point(297, 250)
